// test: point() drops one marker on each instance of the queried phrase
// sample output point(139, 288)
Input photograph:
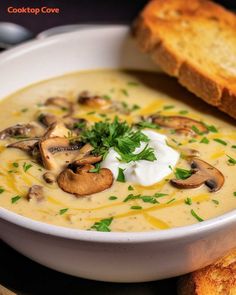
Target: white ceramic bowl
point(117, 257)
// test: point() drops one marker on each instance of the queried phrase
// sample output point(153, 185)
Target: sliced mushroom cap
point(189, 153)
point(93, 101)
point(62, 103)
point(22, 130)
point(186, 132)
point(27, 145)
point(35, 193)
point(179, 122)
point(203, 173)
point(84, 182)
point(50, 146)
point(87, 159)
point(56, 130)
point(47, 119)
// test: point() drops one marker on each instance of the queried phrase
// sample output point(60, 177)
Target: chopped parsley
point(188, 201)
point(96, 169)
point(16, 165)
point(182, 173)
point(204, 140)
point(112, 198)
point(125, 92)
point(233, 146)
point(2, 190)
point(79, 125)
point(183, 112)
point(64, 210)
point(91, 113)
point(211, 128)
point(24, 110)
point(235, 194)
point(231, 160)
point(196, 130)
point(130, 188)
point(216, 202)
point(136, 207)
point(170, 201)
point(26, 166)
point(119, 135)
point(121, 176)
point(168, 107)
point(194, 214)
point(102, 225)
point(145, 199)
point(192, 140)
point(146, 124)
point(107, 97)
point(220, 141)
point(15, 199)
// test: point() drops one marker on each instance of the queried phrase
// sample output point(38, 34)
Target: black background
point(17, 272)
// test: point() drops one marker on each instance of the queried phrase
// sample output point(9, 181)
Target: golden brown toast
point(216, 279)
point(195, 41)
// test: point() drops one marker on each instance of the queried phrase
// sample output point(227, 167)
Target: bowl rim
point(182, 232)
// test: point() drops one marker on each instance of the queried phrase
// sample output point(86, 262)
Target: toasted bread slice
point(216, 279)
point(195, 41)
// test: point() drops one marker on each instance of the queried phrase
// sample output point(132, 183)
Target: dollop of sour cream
point(144, 172)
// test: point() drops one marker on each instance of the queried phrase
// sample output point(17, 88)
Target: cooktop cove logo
point(33, 10)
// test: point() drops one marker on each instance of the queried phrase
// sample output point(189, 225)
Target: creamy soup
point(114, 150)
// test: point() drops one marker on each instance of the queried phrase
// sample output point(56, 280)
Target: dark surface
point(27, 277)
point(17, 272)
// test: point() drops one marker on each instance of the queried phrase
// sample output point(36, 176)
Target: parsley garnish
point(103, 225)
point(15, 199)
point(112, 198)
point(130, 188)
point(96, 169)
point(26, 166)
point(107, 97)
point(104, 135)
point(145, 199)
point(235, 194)
point(211, 128)
point(192, 140)
point(16, 165)
point(136, 207)
point(64, 210)
point(220, 141)
point(183, 112)
point(79, 125)
point(91, 113)
point(194, 214)
point(168, 107)
point(24, 110)
point(231, 160)
point(2, 190)
point(196, 130)
point(182, 173)
point(233, 146)
point(216, 202)
point(146, 124)
point(121, 176)
point(125, 92)
point(204, 140)
point(188, 201)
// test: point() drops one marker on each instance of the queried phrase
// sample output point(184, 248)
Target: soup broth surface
point(143, 94)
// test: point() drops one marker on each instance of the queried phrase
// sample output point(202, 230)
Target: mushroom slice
point(49, 177)
point(62, 103)
point(25, 145)
point(189, 153)
point(57, 130)
point(22, 130)
point(203, 173)
point(185, 132)
point(84, 182)
point(35, 192)
point(50, 146)
point(93, 101)
point(47, 119)
point(179, 122)
point(87, 159)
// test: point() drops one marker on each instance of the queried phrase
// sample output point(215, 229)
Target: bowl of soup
point(110, 170)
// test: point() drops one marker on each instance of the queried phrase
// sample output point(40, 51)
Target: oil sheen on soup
point(115, 150)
